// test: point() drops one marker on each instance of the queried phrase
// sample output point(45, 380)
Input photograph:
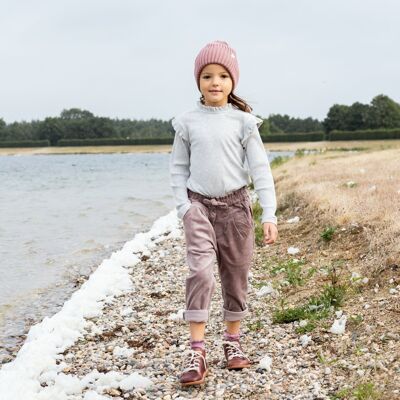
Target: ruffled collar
point(216, 109)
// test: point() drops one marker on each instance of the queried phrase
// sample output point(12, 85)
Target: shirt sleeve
point(179, 168)
point(260, 169)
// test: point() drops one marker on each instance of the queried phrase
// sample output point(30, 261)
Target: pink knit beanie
point(217, 52)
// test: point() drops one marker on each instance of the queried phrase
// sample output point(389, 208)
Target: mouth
point(215, 91)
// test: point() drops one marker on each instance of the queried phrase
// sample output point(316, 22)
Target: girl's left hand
point(270, 232)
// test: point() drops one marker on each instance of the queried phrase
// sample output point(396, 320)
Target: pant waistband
point(229, 199)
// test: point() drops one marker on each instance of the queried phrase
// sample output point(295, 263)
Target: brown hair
point(236, 102)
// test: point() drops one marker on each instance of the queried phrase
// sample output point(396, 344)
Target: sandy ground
point(366, 144)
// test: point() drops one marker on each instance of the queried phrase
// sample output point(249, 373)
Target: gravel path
point(143, 321)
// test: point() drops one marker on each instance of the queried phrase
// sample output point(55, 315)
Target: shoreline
point(139, 329)
point(281, 146)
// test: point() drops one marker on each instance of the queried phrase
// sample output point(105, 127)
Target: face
point(215, 85)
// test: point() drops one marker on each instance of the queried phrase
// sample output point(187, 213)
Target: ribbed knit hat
point(217, 52)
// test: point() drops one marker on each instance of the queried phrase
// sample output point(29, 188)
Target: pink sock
point(197, 344)
point(231, 337)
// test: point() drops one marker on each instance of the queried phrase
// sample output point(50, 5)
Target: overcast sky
point(135, 59)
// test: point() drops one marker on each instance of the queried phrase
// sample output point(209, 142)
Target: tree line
point(75, 123)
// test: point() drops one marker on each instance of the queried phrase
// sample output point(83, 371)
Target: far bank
point(281, 146)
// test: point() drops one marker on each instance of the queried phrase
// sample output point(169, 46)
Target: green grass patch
point(299, 152)
point(363, 391)
point(301, 330)
point(317, 307)
point(259, 285)
point(327, 233)
point(293, 271)
point(258, 226)
point(255, 326)
point(279, 160)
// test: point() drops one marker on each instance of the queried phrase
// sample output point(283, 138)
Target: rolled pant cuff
point(195, 315)
point(234, 315)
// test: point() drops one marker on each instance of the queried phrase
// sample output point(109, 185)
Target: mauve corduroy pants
point(221, 228)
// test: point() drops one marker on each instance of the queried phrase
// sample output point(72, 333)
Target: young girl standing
point(209, 178)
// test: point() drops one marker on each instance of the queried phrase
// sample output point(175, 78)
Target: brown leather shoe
point(234, 355)
point(195, 368)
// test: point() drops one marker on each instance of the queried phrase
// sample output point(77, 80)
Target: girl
point(209, 180)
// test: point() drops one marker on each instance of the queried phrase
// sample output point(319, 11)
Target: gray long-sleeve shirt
point(215, 150)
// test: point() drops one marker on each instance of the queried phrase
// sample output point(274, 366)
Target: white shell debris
point(126, 311)
point(293, 250)
point(355, 276)
point(304, 340)
point(177, 316)
point(267, 289)
point(122, 351)
point(339, 325)
point(265, 363)
point(293, 220)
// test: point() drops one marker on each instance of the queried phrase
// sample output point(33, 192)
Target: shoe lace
point(233, 349)
point(192, 361)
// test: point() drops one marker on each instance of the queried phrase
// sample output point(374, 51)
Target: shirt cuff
point(272, 219)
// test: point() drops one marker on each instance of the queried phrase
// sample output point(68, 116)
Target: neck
point(215, 109)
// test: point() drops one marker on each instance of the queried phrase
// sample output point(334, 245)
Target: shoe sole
point(241, 367)
point(202, 380)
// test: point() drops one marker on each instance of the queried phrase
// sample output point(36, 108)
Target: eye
point(223, 76)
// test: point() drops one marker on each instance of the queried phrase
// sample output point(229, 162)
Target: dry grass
point(334, 145)
point(364, 241)
point(362, 188)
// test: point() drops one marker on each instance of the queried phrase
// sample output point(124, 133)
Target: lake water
point(60, 216)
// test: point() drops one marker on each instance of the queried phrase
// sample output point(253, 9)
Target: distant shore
point(281, 146)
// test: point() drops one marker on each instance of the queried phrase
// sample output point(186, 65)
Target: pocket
point(242, 228)
point(242, 221)
point(250, 207)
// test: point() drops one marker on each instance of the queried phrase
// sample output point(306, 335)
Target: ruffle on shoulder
point(179, 128)
point(251, 125)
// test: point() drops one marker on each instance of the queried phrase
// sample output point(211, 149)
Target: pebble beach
point(141, 332)
point(122, 335)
